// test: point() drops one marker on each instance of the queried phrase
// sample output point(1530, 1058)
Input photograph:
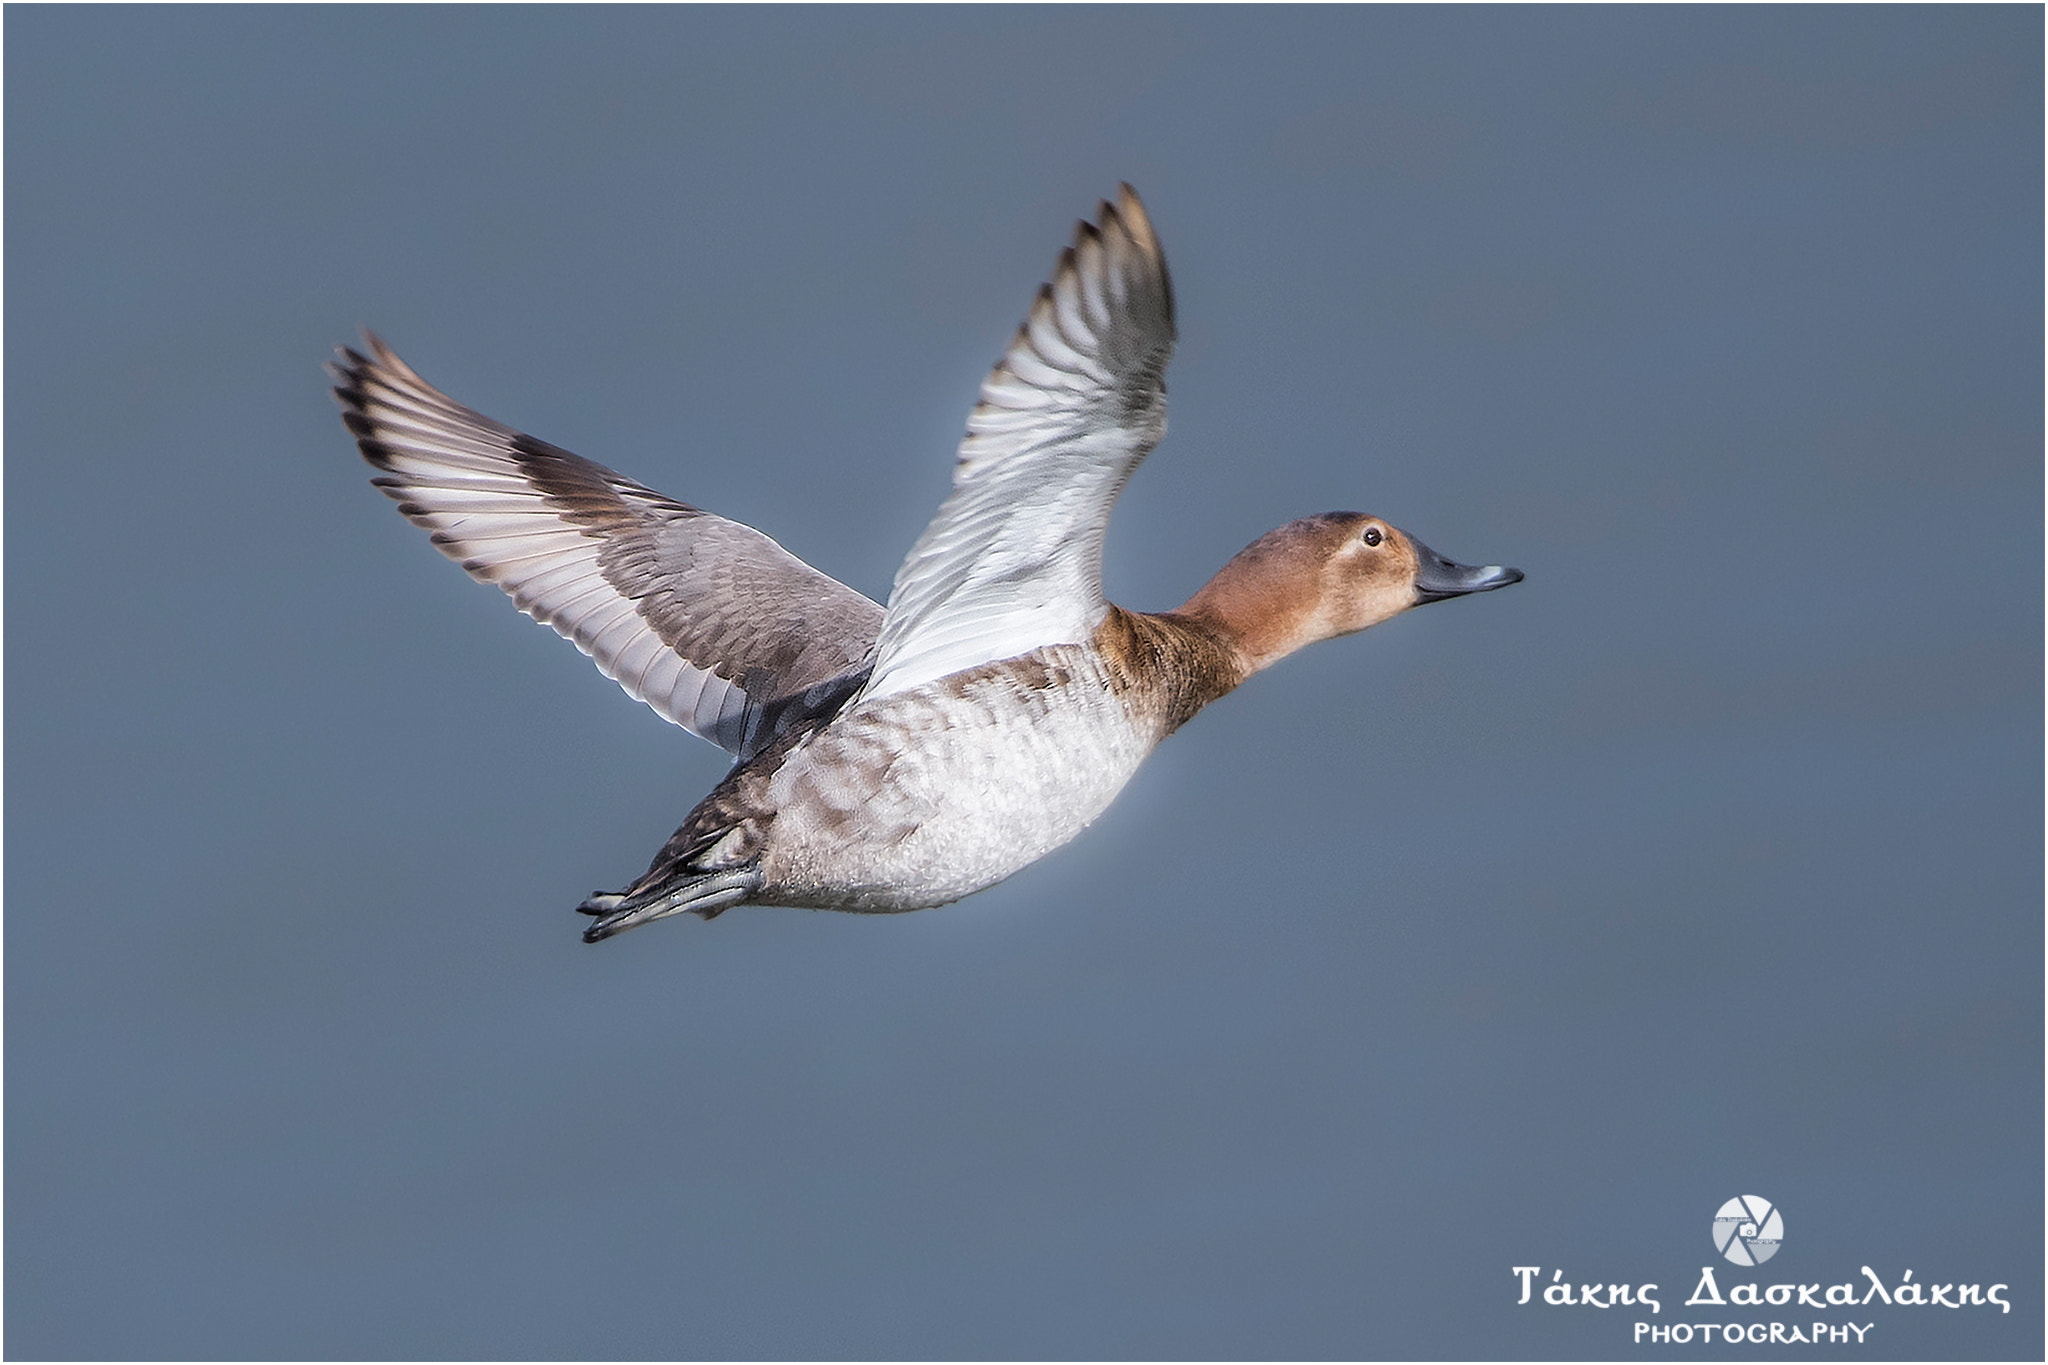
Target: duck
point(898, 757)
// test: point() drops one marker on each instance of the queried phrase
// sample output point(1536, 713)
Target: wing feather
point(1013, 559)
point(709, 622)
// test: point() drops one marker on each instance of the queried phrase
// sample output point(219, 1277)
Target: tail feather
point(706, 894)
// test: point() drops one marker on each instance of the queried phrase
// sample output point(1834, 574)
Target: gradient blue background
point(1523, 931)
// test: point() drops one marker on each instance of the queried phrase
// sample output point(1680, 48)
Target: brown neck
point(1250, 612)
point(1177, 663)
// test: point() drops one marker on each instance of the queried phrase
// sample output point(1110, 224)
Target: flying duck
point(900, 757)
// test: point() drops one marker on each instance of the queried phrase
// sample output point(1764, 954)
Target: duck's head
point(1325, 576)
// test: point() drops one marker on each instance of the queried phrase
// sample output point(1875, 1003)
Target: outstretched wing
point(1013, 560)
point(705, 620)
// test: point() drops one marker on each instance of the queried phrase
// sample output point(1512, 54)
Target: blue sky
point(1526, 930)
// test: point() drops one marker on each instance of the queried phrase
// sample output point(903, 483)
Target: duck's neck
point(1176, 664)
point(1253, 607)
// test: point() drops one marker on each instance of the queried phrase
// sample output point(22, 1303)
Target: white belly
point(927, 795)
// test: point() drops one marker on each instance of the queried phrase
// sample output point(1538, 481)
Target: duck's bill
point(1437, 578)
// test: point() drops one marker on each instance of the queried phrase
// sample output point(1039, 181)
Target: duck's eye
point(1373, 536)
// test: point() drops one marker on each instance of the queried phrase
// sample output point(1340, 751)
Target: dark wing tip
point(1128, 220)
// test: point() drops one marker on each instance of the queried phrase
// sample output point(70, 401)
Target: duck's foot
point(704, 894)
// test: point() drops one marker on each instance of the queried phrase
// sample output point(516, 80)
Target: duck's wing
point(705, 620)
point(1013, 560)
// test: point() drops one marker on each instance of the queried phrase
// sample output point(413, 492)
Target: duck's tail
point(701, 893)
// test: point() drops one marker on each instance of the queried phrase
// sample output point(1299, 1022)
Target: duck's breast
point(926, 795)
